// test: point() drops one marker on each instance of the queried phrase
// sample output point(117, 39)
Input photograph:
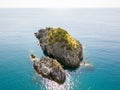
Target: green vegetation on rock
point(60, 35)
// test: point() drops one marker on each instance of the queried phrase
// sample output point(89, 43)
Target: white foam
point(52, 85)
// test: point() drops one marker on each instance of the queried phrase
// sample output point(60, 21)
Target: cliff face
point(57, 43)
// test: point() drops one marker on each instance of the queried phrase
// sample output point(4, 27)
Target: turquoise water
point(97, 29)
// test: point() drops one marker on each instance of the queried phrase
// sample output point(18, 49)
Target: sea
point(97, 29)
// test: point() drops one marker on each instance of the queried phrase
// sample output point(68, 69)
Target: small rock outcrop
point(50, 68)
point(57, 43)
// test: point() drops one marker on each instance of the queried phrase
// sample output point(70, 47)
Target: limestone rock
point(50, 68)
point(57, 43)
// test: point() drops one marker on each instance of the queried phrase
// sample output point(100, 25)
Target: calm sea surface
point(97, 29)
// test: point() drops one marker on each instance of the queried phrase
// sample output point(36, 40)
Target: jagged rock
point(50, 68)
point(58, 44)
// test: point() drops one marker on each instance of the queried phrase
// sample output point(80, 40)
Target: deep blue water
point(97, 29)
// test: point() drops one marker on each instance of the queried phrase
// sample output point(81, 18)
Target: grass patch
point(60, 35)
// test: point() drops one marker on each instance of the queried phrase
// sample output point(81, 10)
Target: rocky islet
point(61, 49)
point(50, 68)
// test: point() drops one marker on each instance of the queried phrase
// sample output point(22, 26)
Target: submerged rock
point(50, 68)
point(58, 44)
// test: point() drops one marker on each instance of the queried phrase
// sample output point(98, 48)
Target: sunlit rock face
point(51, 69)
point(59, 44)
